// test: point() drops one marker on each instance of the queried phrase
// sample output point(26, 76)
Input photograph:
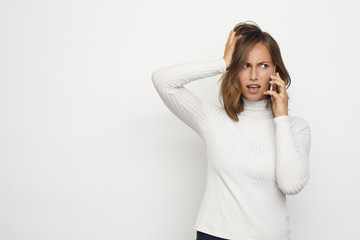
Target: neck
point(257, 109)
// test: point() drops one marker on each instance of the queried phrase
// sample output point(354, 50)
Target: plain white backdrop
point(89, 151)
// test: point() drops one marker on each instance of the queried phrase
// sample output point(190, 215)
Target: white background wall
point(89, 151)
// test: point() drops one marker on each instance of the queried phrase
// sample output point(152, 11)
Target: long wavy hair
point(230, 89)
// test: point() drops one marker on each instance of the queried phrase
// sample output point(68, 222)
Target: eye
point(246, 65)
point(264, 65)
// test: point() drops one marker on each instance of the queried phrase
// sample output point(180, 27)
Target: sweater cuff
point(280, 119)
point(222, 65)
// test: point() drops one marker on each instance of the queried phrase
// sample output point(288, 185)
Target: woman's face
point(256, 71)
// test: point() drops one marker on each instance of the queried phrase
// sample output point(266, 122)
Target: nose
point(253, 74)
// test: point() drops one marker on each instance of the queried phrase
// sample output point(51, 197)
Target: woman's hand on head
point(229, 49)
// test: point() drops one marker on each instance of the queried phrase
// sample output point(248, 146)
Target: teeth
point(253, 86)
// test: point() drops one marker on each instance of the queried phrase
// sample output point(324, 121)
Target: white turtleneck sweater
point(252, 163)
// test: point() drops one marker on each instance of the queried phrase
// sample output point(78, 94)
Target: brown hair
point(230, 89)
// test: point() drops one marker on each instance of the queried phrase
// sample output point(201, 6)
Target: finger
point(281, 89)
point(277, 82)
point(234, 39)
point(277, 77)
point(272, 93)
point(231, 36)
point(238, 37)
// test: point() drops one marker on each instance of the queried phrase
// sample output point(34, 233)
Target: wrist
point(281, 115)
point(226, 62)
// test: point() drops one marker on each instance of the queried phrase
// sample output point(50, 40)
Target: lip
point(252, 85)
point(253, 90)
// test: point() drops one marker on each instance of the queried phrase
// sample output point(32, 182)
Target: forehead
point(259, 52)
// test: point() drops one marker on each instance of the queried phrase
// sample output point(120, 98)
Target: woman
point(257, 153)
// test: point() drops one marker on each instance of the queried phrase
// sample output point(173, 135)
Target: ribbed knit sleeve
point(169, 82)
point(293, 140)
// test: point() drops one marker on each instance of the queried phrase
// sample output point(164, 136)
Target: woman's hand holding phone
point(278, 95)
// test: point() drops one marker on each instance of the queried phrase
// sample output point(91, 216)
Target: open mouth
point(253, 86)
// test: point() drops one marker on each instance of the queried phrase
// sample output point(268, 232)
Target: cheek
point(265, 78)
point(265, 75)
point(267, 82)
point(241, 77)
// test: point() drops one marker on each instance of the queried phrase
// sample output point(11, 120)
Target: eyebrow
point(260, 62)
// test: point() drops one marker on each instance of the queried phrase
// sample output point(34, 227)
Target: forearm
point(186, 105)
point(179, 74)
point(292, 154)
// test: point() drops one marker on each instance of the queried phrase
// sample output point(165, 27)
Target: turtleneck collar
point(257, 109)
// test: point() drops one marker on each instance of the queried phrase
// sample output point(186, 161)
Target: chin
point(254, 98)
